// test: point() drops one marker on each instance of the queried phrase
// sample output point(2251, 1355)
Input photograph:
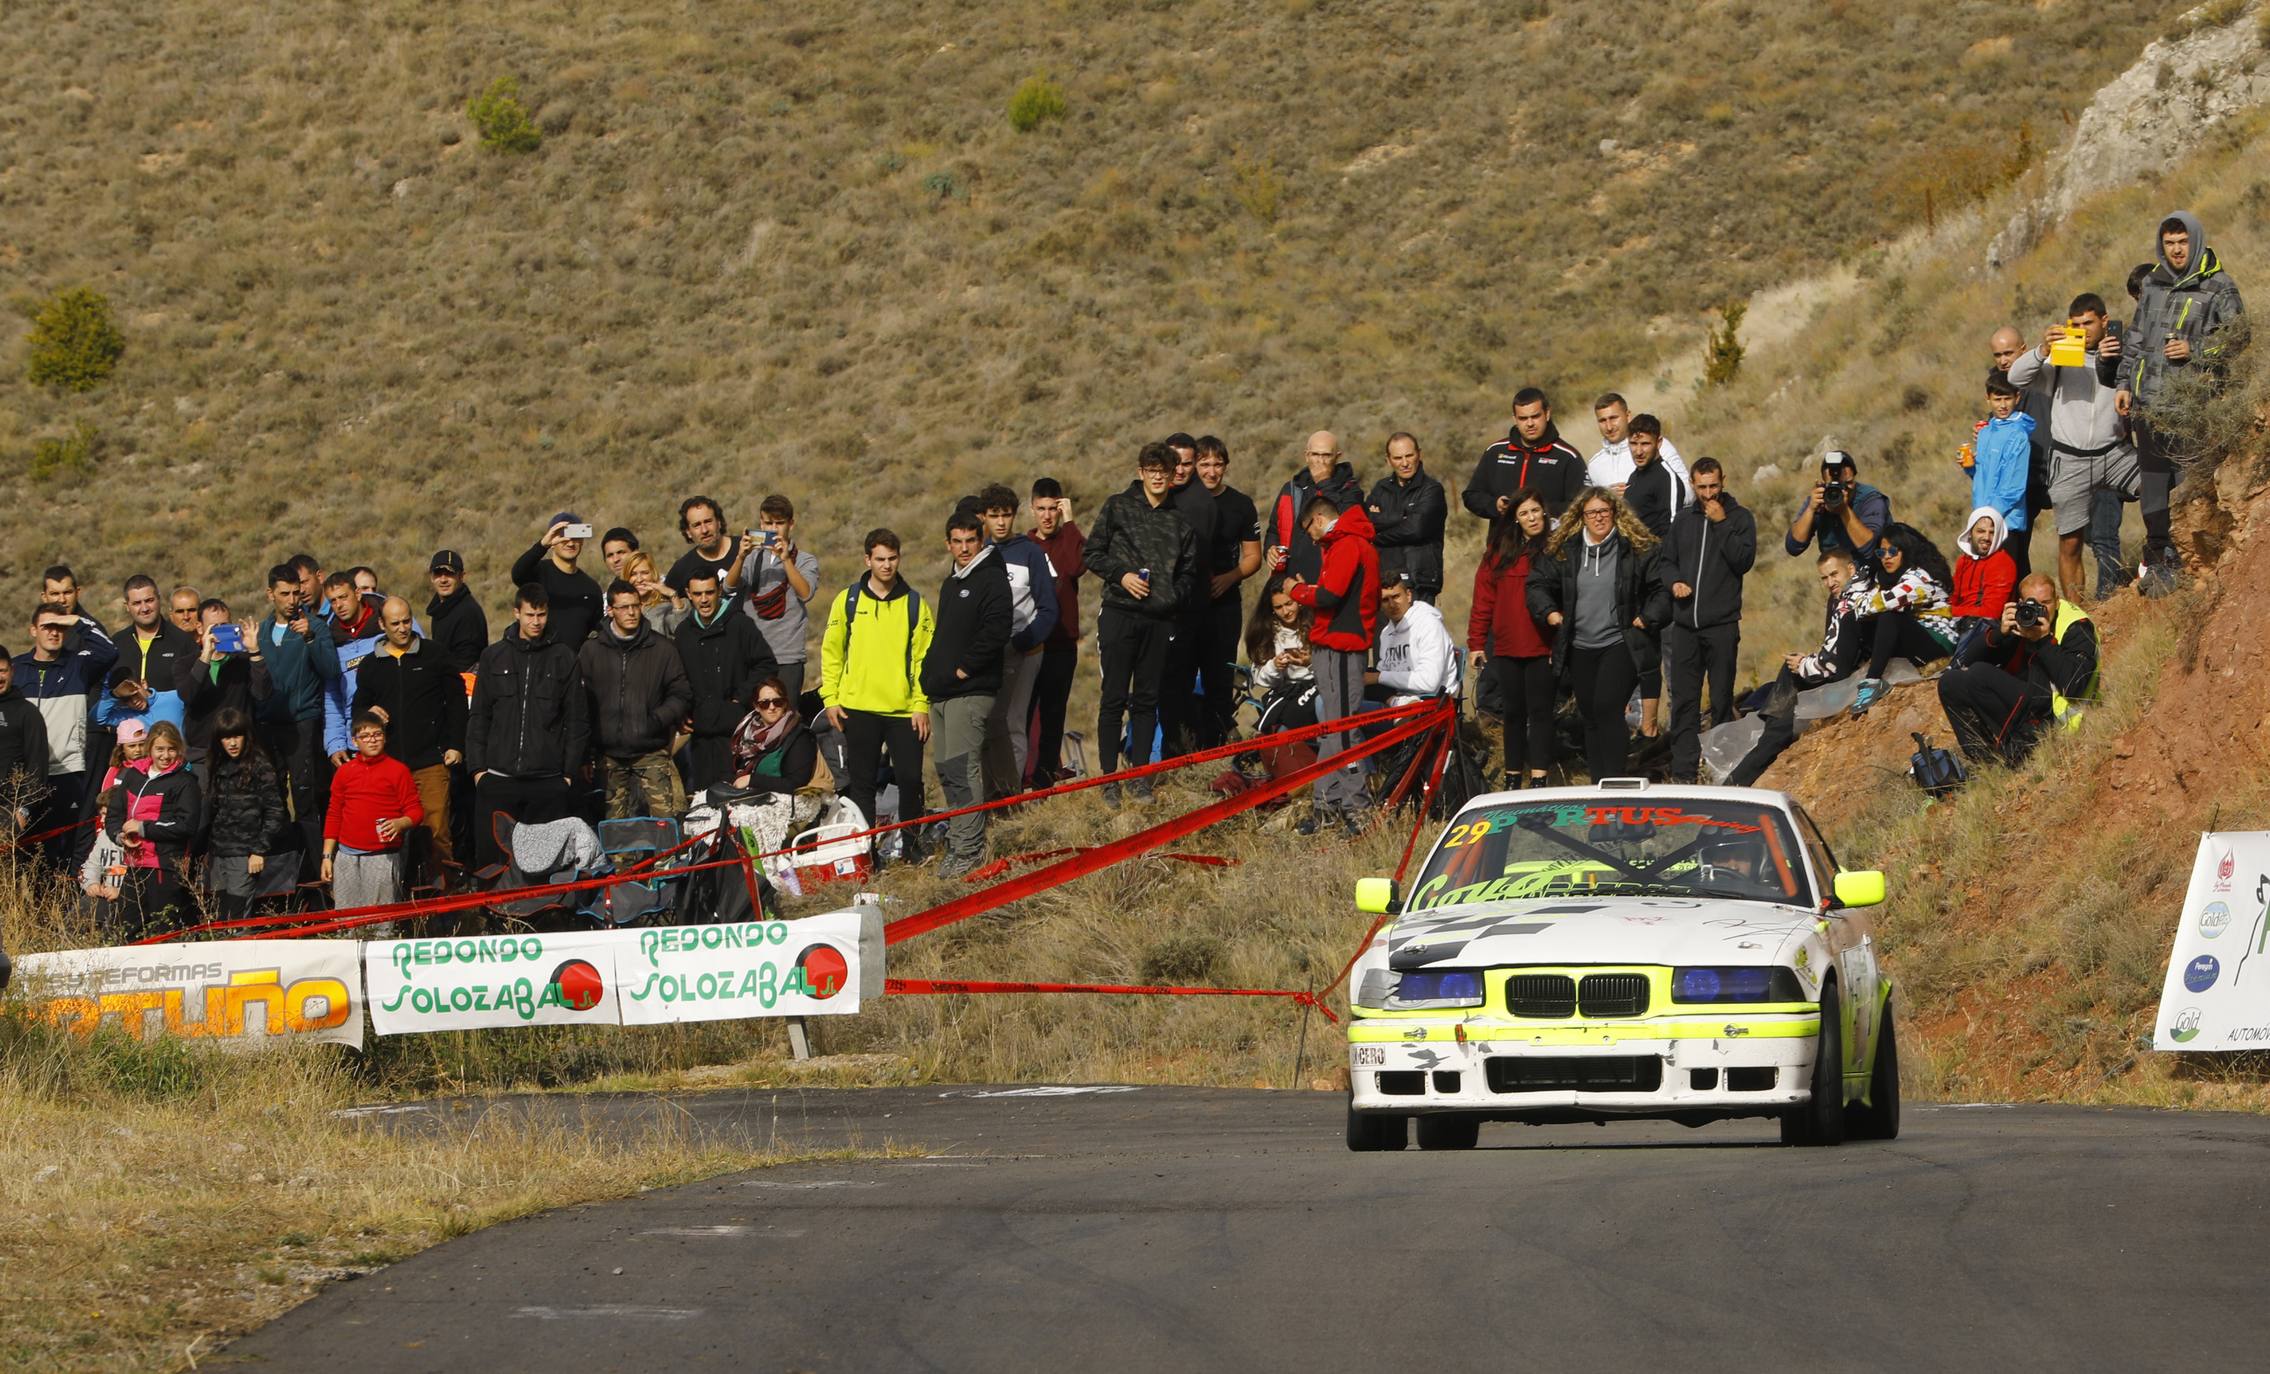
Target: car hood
point(1646, 930)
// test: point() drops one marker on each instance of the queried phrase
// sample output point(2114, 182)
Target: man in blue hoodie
point(2003, 462)
point(303, 665)
point(2181, 315)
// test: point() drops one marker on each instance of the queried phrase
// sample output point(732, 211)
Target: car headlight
point(1744, 983)
point(1391, 991)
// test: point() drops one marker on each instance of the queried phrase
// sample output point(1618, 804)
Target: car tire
point(1368, 1131)
point(1820, 1121)
point(1449, 1132)
point(1879, 1118)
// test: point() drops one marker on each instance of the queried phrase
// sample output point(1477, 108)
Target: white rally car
point(1623, 950)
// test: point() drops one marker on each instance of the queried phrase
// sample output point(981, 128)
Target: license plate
point(1366, 1056)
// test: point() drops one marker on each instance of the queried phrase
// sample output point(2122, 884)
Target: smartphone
point(576, 532)
point(228, 639)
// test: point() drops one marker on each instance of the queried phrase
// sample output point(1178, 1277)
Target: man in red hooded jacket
point(1345, 597)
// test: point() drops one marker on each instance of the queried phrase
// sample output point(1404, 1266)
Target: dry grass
point(793, 249)
point(157, 1199)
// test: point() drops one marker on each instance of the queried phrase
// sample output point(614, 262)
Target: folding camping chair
point(540, 855)
point(651, 895)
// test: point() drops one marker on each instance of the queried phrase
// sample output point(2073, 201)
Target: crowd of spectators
point(352, 742)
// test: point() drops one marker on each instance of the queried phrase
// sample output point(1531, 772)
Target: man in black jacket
point(406, 683)
point(1182, 709)
point(1531, 456)
point(1237, 555)
point(725, 655)
point(2038, 669)
point(960, 675)
point(1713, 543)
point(1146, 555)
point(527, 732)
point(639, 700)
point(23, 754)
point(1408, 511)
point(576, 605)
point(457, 627)
point(1325, 476)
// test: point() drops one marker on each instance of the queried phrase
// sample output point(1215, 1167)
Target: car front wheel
point(1821, 1120)
point(1368, 1131)
point(1880, 1118)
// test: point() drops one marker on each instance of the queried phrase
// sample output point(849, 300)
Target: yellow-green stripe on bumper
point(1732, 1065)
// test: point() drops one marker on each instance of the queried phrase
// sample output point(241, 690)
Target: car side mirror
point(1378, 897)
point(1865, 888)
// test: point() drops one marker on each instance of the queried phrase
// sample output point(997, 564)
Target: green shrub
point(503, 121)
point(74, 344)
point(1036, 102)
point(1258, 188)
point(71, 456)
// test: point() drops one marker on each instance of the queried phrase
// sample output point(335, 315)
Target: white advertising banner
point(2217, 994)
point(482, 981)
point(236, 992)
point(760, 968)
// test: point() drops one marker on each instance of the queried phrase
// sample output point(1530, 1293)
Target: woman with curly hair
point(1602, 592)
point(1909, 613)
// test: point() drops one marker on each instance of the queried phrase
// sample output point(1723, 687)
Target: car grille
point(1613, 994)
point(1548, 995)
point(1615, 1073)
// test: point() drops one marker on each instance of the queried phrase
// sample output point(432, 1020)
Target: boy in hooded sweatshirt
point(2004, 461)
point(1985, 578)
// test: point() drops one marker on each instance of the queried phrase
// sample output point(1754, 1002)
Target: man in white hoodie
point(1417, 657)
point(1611, 465)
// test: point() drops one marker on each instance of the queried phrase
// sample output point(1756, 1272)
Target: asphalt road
point(1187, 1229)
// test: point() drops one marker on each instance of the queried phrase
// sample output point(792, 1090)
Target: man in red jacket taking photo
point(1345, 597)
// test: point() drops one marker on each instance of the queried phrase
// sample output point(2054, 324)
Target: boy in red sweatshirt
point(1345, 597)
point(374, 803)
point(1986, 578)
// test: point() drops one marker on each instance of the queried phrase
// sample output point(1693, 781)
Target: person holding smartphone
point(225, 677)
point(779, 580)
point(571, 594)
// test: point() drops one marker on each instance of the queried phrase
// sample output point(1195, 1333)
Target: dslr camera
point(1834, 495)
point(2031, 613)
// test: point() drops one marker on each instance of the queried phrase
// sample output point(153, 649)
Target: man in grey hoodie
point(2090, 456)
point(2186, 303)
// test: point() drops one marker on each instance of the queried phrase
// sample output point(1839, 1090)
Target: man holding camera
point(2091, 459)
point(1844, 512)
point(2038, 663)
point(303, 666)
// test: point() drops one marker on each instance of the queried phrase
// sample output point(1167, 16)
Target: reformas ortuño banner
point(2217, 994)
point(238, 992)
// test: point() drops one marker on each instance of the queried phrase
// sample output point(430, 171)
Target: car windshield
point(1693, 847)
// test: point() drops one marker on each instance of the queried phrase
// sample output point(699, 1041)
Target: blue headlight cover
point(1745, 983)
point(1447, 988)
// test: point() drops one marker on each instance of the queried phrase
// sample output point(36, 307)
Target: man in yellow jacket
point(871, 681)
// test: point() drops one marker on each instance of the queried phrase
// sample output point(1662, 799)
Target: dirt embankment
point(2030, 916)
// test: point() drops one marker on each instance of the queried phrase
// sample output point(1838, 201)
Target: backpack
point(1937, 771)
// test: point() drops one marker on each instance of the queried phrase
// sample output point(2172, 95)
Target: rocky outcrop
point(2180, 90)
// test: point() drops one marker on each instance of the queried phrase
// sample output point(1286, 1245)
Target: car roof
point(1624, 789)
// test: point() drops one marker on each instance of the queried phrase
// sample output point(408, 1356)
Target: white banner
point(759, 968)
point(236, 992)
point(2217, 994)
point(483, 981)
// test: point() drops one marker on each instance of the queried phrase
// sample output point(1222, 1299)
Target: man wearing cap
point(1417, 657)
point(1843, 511)
point(573, 598)
point(458, 629)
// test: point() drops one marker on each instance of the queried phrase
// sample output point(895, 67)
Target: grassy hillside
point(798, 248)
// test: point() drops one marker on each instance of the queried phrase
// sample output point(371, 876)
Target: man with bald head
point(2038, 669)
point(409, 685)
point(1324, 474)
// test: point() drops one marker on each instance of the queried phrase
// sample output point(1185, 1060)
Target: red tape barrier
point(1103, 855)
point(26, 841)
point(919, 987)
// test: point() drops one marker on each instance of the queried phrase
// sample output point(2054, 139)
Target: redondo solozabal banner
point(241, 992)
point(812, 967)
point(2217, 994)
